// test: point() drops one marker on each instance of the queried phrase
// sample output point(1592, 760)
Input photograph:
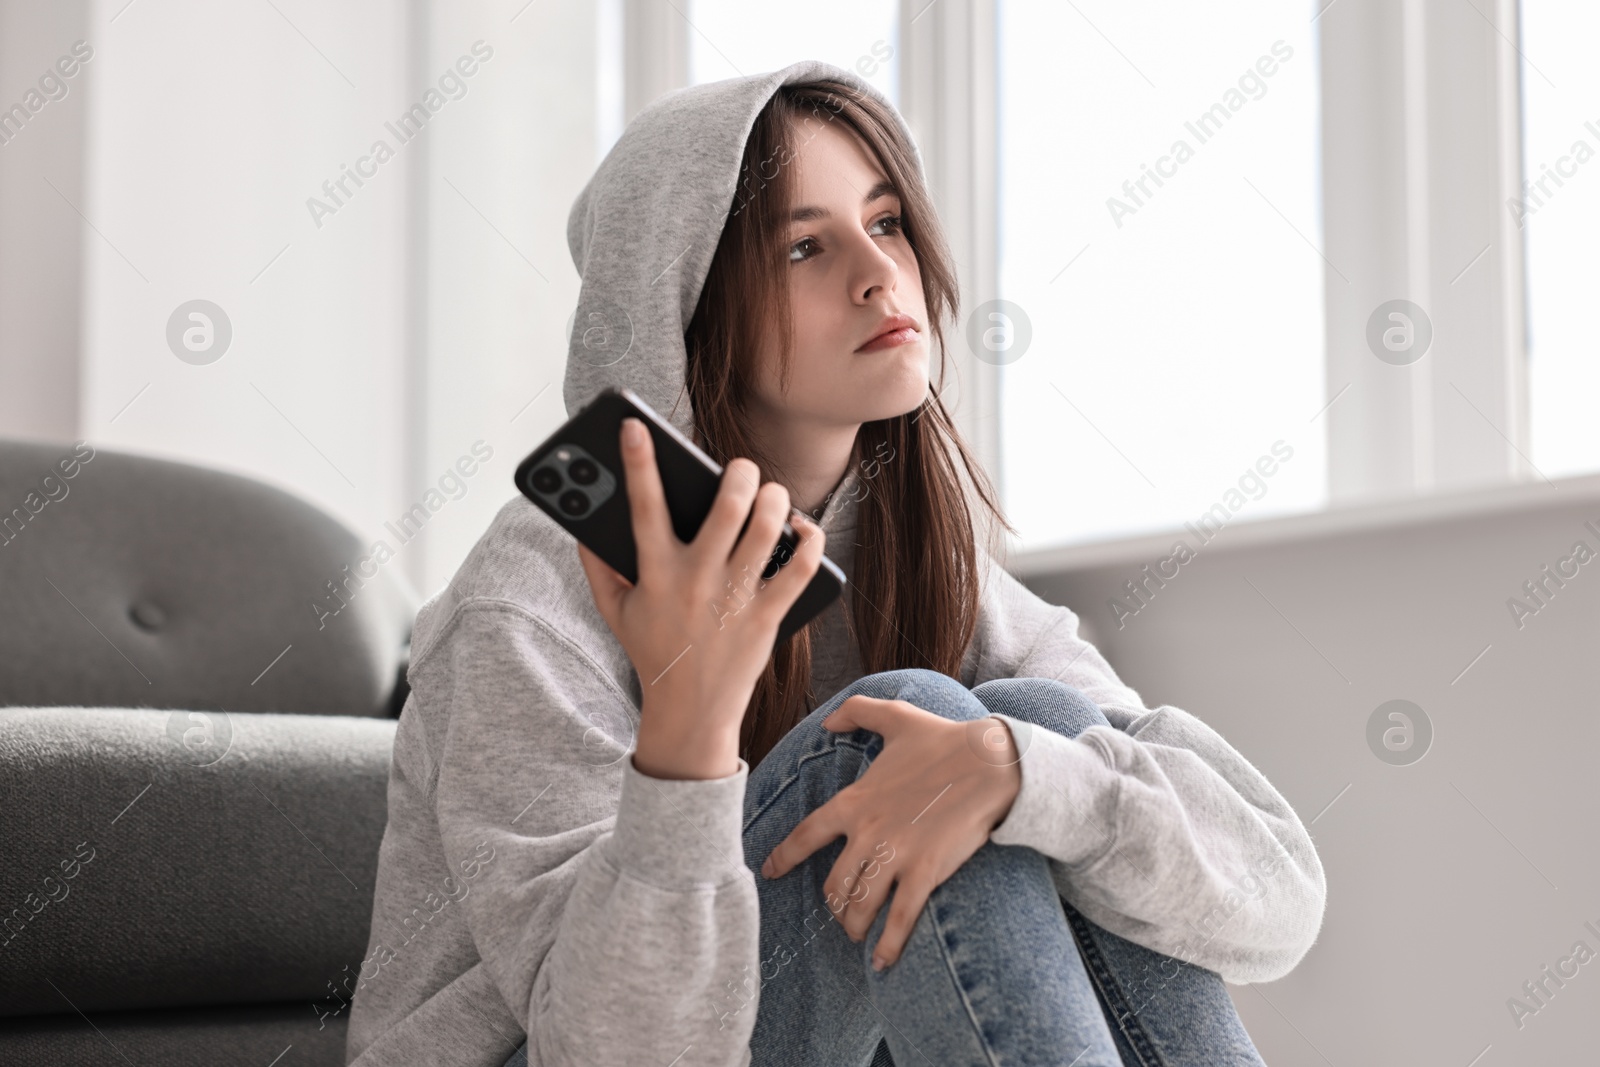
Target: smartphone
point(576, 476)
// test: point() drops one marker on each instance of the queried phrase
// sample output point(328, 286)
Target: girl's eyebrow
point(806, 214)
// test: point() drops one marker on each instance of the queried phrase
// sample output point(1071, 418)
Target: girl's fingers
point(818, 828)
point(856, 888)
point(909, 897)
point(796, 573)
point(598, 569)
point(647, 501)
point(736, 493)
point(749, 557)
point(861, 712)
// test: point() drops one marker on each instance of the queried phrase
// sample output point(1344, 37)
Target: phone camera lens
point(546, 480)
point(574, 503)
point(583, 471)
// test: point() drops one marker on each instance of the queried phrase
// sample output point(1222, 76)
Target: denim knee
point(938, 693)
point(1043, 702)
point(877, 685)
point(927, 689)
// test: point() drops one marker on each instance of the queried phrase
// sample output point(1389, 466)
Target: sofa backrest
point(131, 581)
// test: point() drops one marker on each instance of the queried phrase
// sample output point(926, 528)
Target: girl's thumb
point(607, 585)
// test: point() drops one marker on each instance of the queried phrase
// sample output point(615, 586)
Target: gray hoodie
point(532, 882)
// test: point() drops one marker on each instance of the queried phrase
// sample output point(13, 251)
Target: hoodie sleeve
point(1156, 828)
point(618, 909)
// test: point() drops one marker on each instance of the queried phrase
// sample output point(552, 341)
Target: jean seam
point(832, 744)
point(1100, 973)
point(955, 980)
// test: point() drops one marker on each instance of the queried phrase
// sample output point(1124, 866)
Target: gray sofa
point(195, 734)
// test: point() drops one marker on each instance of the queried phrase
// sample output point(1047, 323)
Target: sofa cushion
point(163, 859)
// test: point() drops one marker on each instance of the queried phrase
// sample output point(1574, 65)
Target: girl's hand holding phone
point(700, 624)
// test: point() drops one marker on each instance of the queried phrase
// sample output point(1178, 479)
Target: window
point(729, 38)
point(1185, 307)
point(1159, 237)
point(1559, 212)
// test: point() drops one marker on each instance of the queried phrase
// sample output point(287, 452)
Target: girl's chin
point(890, 399)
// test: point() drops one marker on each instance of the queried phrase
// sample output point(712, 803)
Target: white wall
point(201, 158)
point(40, 267)
point(1452, 880)
point(500, 280)
point(372, 346)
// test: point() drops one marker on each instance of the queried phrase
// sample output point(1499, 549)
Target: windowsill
point(1309, 526)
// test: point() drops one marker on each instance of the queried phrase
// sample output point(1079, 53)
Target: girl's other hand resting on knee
point(697, 660)
point(933, 794)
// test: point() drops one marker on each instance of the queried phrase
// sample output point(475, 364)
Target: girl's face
point(850, 270)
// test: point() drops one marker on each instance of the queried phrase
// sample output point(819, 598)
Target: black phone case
point(689, 480)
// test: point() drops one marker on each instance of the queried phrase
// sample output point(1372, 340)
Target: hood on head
point(645, 227)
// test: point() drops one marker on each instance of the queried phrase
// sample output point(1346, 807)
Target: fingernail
point(632, 431)
point(877, 963)
point(766, 867)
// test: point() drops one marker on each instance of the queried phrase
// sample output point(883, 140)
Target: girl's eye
point(895, 223)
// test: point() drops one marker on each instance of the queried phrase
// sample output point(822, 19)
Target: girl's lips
point(890, 340)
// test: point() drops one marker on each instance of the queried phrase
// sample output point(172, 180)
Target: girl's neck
point(811, 464)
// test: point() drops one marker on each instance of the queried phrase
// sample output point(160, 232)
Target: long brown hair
point(913, 596)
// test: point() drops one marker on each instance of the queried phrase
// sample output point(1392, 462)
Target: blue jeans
point(998, 968)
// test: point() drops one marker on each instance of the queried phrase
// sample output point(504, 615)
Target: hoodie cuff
point(1066, 807)
point(680, 833)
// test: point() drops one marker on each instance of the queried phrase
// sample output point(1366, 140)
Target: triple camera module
point(572, 478)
